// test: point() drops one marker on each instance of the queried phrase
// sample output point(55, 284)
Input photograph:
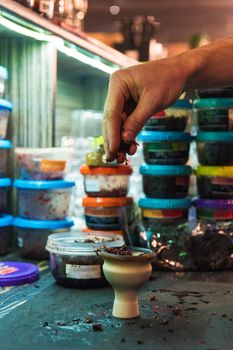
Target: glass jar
point(109, 181)
point(32, 235)
point(215, 148)
point(214, 114)
point(210, 246)
point(215, 182)
point(5, 233)
point(5, 184)
point(165, 181)
point(165, 148)
point(174, 118)
point(74, 261)
point(3, 79)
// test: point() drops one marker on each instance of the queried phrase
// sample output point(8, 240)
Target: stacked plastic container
point(211, 244)
point(5, 182)
point(165, 208)
point(43, 198)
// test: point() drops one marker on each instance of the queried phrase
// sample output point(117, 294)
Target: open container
point(165, 147)
point(214, 114)
point(215, 148)
point(74, 261)
point(5, 109)
point(32, 235)
point(5, 184)
point(6, 222)
point(3, 80)
point(5, 145)
point(109, 181)
point(215, 182)
point(165, 181)
point(44, 200)
point(43, 163)
point(174, 118)
point(105, 213)
point(210, 246)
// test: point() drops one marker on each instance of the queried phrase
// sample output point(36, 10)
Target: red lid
point(107, 202)
point(106, 170)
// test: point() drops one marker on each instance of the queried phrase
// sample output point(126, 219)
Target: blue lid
point(213, 103)
point(150, 136)
point(146, 169)
point(151, 203)
point(5, 182)
point(4, 104)
point(6, 220)
point(42, 224)
point(214, 136)
point(182, 104)
point(5, 144)
point(43, 185)
point(3, 73)
point(14, 273)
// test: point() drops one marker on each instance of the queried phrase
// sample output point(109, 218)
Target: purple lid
point(214, 203)
point(14, 273)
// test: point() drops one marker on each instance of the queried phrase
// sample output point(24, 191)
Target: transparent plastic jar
point(32, 235)
point(165, 181)
point(5, 233)
point(214, 114)
point(3, 80)
point(166, 231)
point(5, 145)
point(215, 148)
point(5, 109)
point(210, 246)
point(5, 184)
point(215, 182)
point(73, 258)
point(109, 181)
point(165, 148)
point(174, 118)
point(44, 200)
point(106, 213)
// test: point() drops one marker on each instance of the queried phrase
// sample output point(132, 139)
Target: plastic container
point(32, 235)
point(214, 114)
point(5, 184)
point(3, 80)
point(5, 233)
point(166, 231)
point(106, 181)
point(43, 163)
point(215, 148)
point(215, 182)
point(5, 109)
point(15, 273)
point(210, 246)
point(44, 200)
point(174, 118)
point(73, 258)
point(215, 92)
point(165, 148)
point(105, 213)
point(5, 145)
point(165, 181)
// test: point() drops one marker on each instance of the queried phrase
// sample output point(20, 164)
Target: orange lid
point(106, 170)
point(107, 202)
point(100, 232)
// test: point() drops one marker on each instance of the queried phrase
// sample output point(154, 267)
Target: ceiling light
point(114, 10)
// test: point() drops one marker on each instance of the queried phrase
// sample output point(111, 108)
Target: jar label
point(92, 185)
point(83, 271)
point(6, 270)
point(222, 186)
point(214, 214)
point(165, 146)
point(160, 214)
point(20, 242)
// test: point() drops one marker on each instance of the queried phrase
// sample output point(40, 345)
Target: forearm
point(208, 66)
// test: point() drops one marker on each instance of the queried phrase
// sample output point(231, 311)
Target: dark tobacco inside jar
point(165, 186)
point(215, 153)
point(167, 123)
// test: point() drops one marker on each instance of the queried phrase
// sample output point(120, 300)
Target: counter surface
point(178, 311)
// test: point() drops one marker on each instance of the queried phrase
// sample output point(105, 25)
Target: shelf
point(42, 28)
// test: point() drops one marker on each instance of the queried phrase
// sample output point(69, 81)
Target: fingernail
point(128, 136)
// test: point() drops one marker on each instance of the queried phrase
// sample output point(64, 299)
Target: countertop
point(191, 310)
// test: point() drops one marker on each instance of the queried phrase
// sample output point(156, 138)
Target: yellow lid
point(226, 171)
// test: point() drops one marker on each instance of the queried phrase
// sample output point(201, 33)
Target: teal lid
point(153, 136)
point(5, 144)
point(42, 224)
point(5, 182)
point(43, 185)
point(6, 220)
point(213, 103)
point(4, 104)
point(3, 73)
point(214, 136)
point(182, 104)
point(151, 203)
point(146, 169)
